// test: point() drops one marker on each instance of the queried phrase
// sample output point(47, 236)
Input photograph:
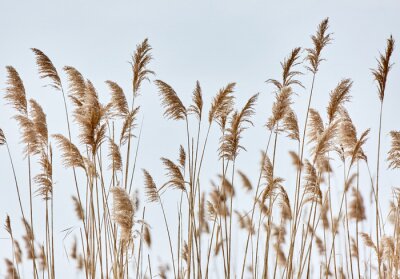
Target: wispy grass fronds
point(47, 69)
point(288, 73)
point(230, 146)
point(222, 104)
point(115, 156)
point(15, 91)
point(320, 40)
point(280, 107)
point(174, 109)
point(176, 179)
point(140, 60)
point(123, 213)
point(118, 99)
point(71, 155)
point(338, 97)
point(384, 65)
point(394, 152)
point(197, 107)
point(150, 187)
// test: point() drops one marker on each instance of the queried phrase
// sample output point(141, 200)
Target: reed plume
point(281, 107)
point(71, 155)
point(118, 99)
point(338, 97)
point(123, 213)
point(197, 107)
point(140, 60)
point(221, 104)
point(150, 187)
point(291, 125)
point(174, 109)
point(12, 272)
point(15, 91)
point(77, 85)
point(173, 172)
point(320, 40)
point(115, 156)
point(245, 181)
point(128, 125)
point(230, 146)
point(2, 137)
point(384, 65)
point(78, 208)
point(356, 206)
point(394, 152)
point(288, 73)
point(47, 69)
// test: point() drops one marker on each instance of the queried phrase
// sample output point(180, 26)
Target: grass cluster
point(282, 235)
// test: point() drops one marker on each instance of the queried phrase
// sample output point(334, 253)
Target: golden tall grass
point(282, 234)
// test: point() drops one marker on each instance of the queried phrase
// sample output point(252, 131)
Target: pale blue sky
point(215, 42)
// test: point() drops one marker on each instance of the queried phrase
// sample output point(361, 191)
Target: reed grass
point(290, 228)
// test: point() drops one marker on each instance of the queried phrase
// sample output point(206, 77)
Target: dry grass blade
point(150, 188)
point(338, 97)
point(197, 107)
point(118, 99)
point(15, 91)
point(70, 153)
point(222, 103)
point(381, 72)
point(123, 213)
point(174, 109)
point(320, 40)
point(140, 61)
point(47, 69)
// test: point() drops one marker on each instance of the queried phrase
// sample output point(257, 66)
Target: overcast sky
point(215, 42)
